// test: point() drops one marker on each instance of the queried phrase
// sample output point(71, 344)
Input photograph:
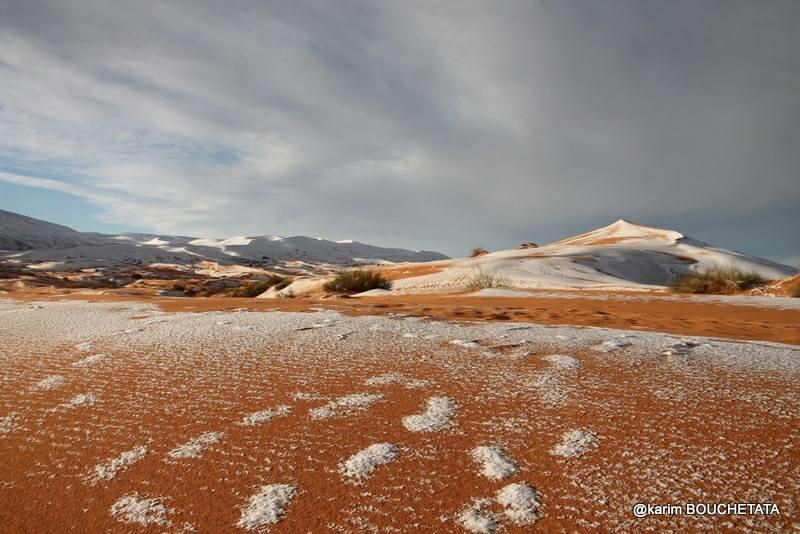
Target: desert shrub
point(483, 278)
point(796, 291)
point(478, 251)
point(177, 286)
point(287, 294)
point(717, 280)
point(256, 288)
point(357, 280)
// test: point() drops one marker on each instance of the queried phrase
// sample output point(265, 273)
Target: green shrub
point(483, 278)
point(357, 281)
point(717, 281)
point(256, 288)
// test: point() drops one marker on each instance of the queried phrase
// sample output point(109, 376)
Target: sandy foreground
point(126, 416)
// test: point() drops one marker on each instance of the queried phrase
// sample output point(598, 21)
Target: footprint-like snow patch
point(9, 423)
point(437, 416)
point(477, 519)
point(521, 503)
point(51, 382)
point(113, 467)
point(263, 416)
point(396, 378)
point(345, 405)
point(268, 506)
point(193, 448)
point(84, 399)
point(575, 443)
point(90, 360)
point(83, 347)
point(134, 509)
point(495, 462)
point(562, 361)
point(466, 343)
point(363, 463)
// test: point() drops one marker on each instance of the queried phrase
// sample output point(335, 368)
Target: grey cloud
point(419, 124)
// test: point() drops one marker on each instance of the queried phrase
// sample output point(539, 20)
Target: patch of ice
point(436, 416)
point(521, 502)
point(51, 382)
point(345, 405)
point(363, 463)
point(263, 416)
point(495, 462)
point(113, 467)
point(268, 506)
point(89, 360)
point(575, 443)
point(134, 509)
point(86, 345)
point(193, 448)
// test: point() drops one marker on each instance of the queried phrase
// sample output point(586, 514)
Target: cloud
point(435, 125)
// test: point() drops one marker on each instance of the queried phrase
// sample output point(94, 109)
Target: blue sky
point(424, 125)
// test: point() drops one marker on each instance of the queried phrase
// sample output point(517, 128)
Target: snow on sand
point(436, 416)
point(268, 506)
point(363, 463)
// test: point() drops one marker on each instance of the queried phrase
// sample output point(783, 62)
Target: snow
point(51, 382)
point(268, 506)
point(84, 399)
point(345, 405)
point(113, 467)
point(194, 447)
point(476, 519)
point(575, 443)
point(363, 463)
point(89, 360)
point(562, 361)
point(41, 241)
point(437, 416)
point(396, 378)
point(521, 502)
point(9, 423)
point(622, 256)
point(263, 416)
point(495, 462)
point(134, 509)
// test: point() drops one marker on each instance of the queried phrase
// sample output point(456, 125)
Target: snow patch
point(9, 422)
point(575, 443)
point(51, 382)
point(89, 360)
point(84, 399)
point(436, 416)
point(193, 448)
point(134, 509)
point(268, 506)
point(396, 378)
point(477, 519)
point(562, 361)
point(521, 502)
point(363, 463)
point(345, 405)
point(113, 467)
point(263, 416)
point(495, 462)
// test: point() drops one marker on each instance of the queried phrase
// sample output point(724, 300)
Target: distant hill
point(34, 240)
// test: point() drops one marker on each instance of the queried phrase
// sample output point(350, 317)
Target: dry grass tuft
point(357, 281)
point(717, 281)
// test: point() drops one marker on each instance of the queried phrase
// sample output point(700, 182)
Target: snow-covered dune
point(29, 240)
point(622, 255)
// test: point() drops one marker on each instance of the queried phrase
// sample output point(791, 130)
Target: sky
point(422, 124)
